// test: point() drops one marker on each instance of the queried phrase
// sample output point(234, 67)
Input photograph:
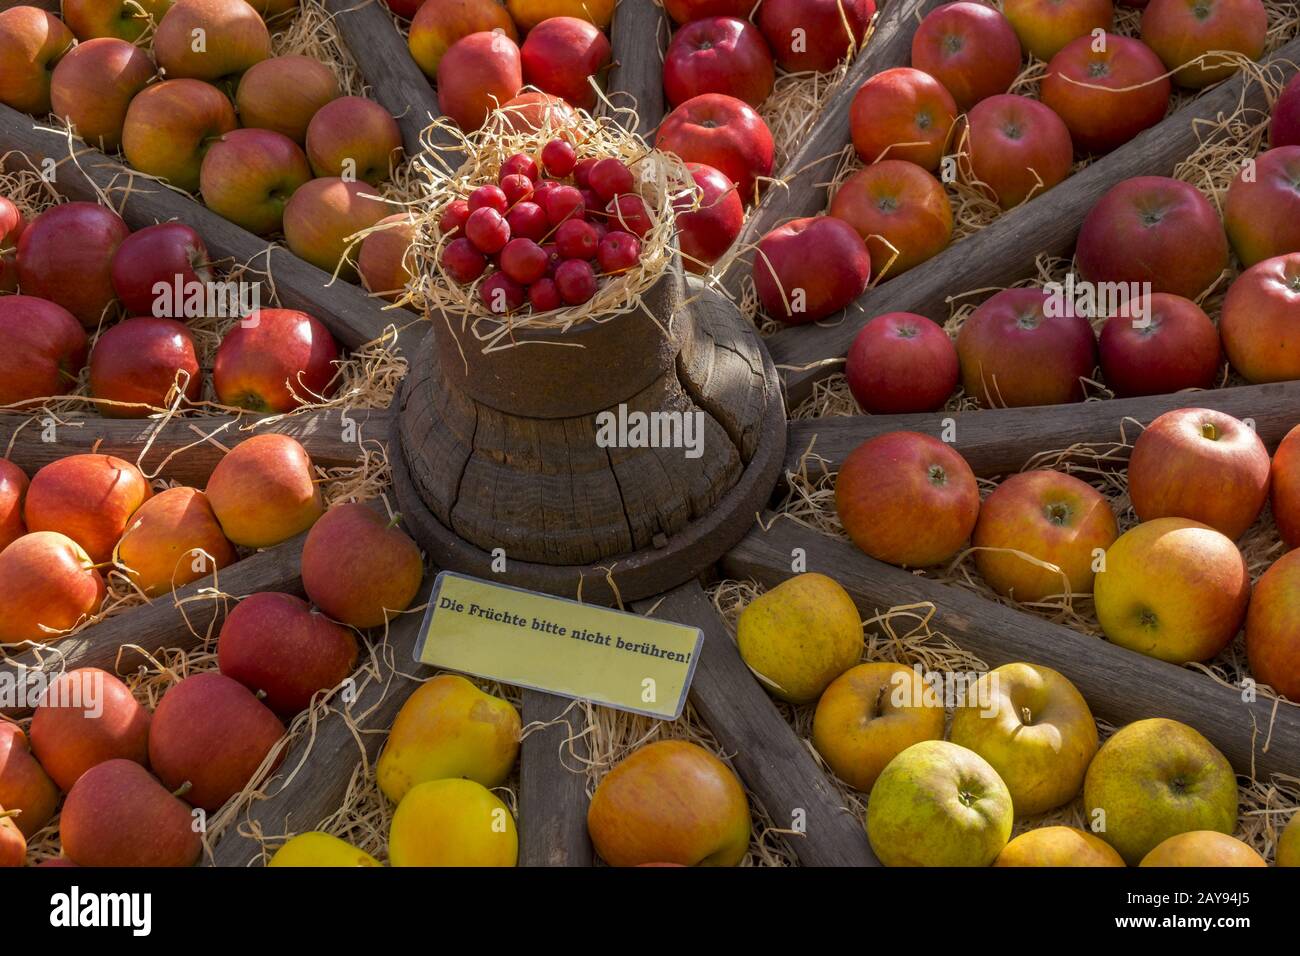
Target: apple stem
point(395, 520)
point(10, 814)
point(1026, 716)
point(183, 789)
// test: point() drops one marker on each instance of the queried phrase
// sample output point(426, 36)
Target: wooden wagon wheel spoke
point(638, 33)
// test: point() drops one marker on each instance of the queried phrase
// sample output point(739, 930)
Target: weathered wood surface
point(802, 185)
point(1003, 252)
point(350, 313)
point(187, 449)
point(313, 780)
point(773, 762)
point(999, 441)
point(1120, 686)
point(639, 35)
point(552, 786)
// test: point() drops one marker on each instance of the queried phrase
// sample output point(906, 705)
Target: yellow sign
point(563, 647)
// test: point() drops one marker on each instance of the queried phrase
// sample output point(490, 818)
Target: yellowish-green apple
point(283, 93)
point(1154, 779)
point(1202, 848)
point(212, 40)
point(449, 728)
point(1050, 517)
point(31, 43)
point(1058, 846)
point(1172, 588)
point(452, 823)
point(939, 804)
point(800, 636)
point(354, 138)
point(123, 19)
point(1036, 730)
point(869, 715)
point(323, 218)
point(315, 848)
point(170, 125)
point(1288, 844)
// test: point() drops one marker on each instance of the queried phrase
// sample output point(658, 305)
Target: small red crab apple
point(524, 261)
point(527, 220)
point(791, 274)
point(544, 295)
point(576, 239)
point(627, 212)
point(563, 202)
point(618, 252)
point(576, 281)
point(519, 164)
point(453, 217)
point(559, 157)
point(488, 230)
point(610, 177)
point(501, 294)
point(462, 261)
point(901, 362)
point(517, 188)
point(582, 171)
point(489, 197)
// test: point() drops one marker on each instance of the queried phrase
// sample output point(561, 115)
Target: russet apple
point(32, 41)
point(90, 498)
point(211, 732)
point(1153, 229)
point(385, 261)
point(118, 814)
point(1272, 633)
point(279, 648)
point(354, 138)
point(263, 491)
point(968, 47)
point(869, 715)
point(477, 74)
point(170, 253)
point(1285, 488)
point(44, 349)
point(715, 55)
point(1171, 347)
point(93, 85)
point(813, 34)
point(791, 275)
point(323, 217)
point(451, 822)
point(13, 489)
point(48, 584)
point(274, 361)
point(1014, 353)
point(123, 19)
point(938, 804)
point(907, 499)
point(1201, 464)
point(359, 567)
point(1284, 122)
point(709, 224)
point(170, 126)
point(1045, 26)
point(315, 848)
point(1058, 846)
point(529, 13)
point(87, 716)
point(212, 40)
point(449, 728)
point(1174, 589)
point(283, 93)
point(1204, 848)
point(1018, 147)
point(800, 636)
point(66, 256)
point(172, 540)
point(1180, 31)
point(561, 55)
point(12, 224)
point(1106, 90)
point(1034, 728)
point(1051, 517)
point(904, 114)
point(140, 365)
point(1262, 209)
point(1258, 321)
point(437, 24)
point(722, 132)
point(248, 175)
point(901, 362)
point(1154, 779)
point(670, 802)
point(900, 210)
point(24, 784)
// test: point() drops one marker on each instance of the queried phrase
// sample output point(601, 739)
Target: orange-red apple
point(1045, 26)
point(1285, 493)
point(172, 540)
point(263, 491)
point(904, 114)
point(283, 93)
point(13, 489)
point(248, 175)
point(48, 584)
point(1180, 31)
point(87, 716)
point(323, 217)
point(90, 498)
point(31, 43)
point(715, 55)
point(354, 138)
point(24, 784)
point(12, 224)
point(1258, 320)
point(385, 260)
point(529, 13)
point(438, 24)
point(1018, 147)
point(968, 47)
point(93, 85)
point(561, 55)
point(44, 349)
point(1262, 209)
point(274, 361)
point(900, 210)
point(141, 364)
point(66, 256)
point(118, 815)
point(170, 125)
point(212, 40)
point(359, 567)
point(477, 74)
point(1272, 628)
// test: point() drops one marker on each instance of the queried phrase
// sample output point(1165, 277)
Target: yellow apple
point(1058, 846)
point(320, 849)
point(452, 823)
point(1288, 844)
point(528, 13)
point(1202, 848)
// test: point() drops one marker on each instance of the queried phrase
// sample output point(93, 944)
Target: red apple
point(684, 11)
point(1180, 31)
point(1106, 96)
point(274, 361)
point(119, 815)
point(1284, 124)
point(142, 363)
point(170, 253)
point(716, 55)
point(1018, 147)
point(1272, 637)
point(12, 225)
point(900, 210)
point(1258, 322)
point(1153, 229)
point(902, 114)
point(1200, 464)
point(31, 43)
point(354, 138)
point(1285, 493)
point(706, 230)
point(810, 268)
point(13, 488)
point(813, 34)
point(87, 716)
point(1046, 26)
point(283, 93)
point(93, 85)
point(169, 127)
point(968, 47)
point(535, 110)
point(66, 256)
point(560, 56)
point(907, 499)
point(1262, 208)
point(440, 23)
point(90, 498)
point(406, 9)
point(275, 644)
point(248, 175)
point(383, 261)
point(234, 38)
point(477, 74)
point(722, 132)
point(901, 362)
point(322, 218)
point(1163, 343)
point(123, 19)
point(44, 349)
point(1013, 353)
point(48, 584)
point(24, 784)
